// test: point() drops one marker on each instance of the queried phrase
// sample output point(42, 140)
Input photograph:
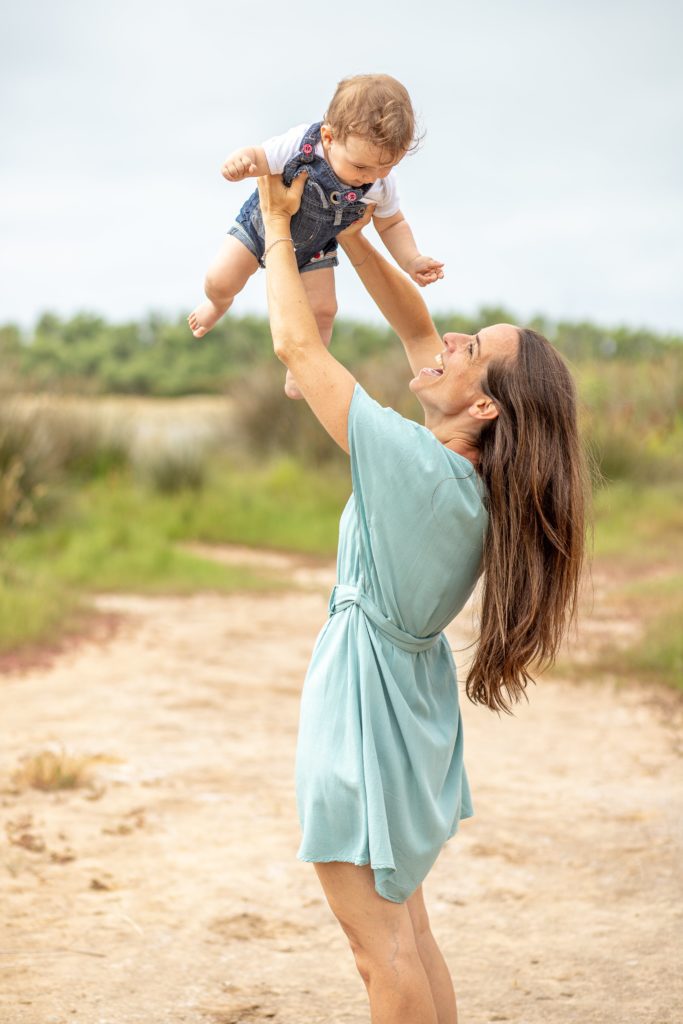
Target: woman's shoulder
point(401, 449)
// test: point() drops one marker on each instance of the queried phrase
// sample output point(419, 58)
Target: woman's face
point(453, 384)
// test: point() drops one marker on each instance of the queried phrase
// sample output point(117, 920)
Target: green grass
point(115, 534)
point(279, 505)
point(659, 656)
point(34, 606)
point(639, 524)
point(638, 553)
point(118, 534)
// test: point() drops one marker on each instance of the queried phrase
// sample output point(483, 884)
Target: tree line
point(158, 356)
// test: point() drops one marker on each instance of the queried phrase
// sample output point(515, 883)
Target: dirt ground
point(168, 890)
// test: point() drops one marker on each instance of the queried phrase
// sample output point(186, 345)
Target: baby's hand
point(424, 270)
point(238, 166)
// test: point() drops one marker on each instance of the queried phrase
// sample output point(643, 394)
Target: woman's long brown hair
point(532, 463)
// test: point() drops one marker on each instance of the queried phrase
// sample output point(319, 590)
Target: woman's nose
point(452, 341)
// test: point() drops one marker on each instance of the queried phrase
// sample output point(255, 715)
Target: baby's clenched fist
point(238, 167)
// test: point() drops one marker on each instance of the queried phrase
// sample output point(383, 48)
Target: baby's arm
point(396, 234)
point(248, 162)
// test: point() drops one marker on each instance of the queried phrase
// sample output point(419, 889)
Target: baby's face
point(356, 161)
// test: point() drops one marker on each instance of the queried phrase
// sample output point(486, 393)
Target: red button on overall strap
point(351, 197)
point(307, 149)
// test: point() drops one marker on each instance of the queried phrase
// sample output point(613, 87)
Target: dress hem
point(359, 862)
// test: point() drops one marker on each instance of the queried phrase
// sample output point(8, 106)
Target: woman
point(493, 481)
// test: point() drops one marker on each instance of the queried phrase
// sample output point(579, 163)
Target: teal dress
point(380, 774)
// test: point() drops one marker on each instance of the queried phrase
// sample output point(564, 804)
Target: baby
point(349, 158)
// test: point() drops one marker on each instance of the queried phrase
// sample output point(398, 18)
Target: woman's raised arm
point(326, 385)
point(395, 295)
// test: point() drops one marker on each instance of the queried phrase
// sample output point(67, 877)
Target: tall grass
point(99, 494)
point(632, 417)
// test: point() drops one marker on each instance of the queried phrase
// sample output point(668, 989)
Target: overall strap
point(305, 154)
point(310, 140)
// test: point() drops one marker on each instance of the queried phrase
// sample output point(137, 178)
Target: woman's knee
point(363, 960)
point(389, 959)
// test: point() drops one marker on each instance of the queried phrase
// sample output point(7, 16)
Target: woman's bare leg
point(382, 939)
point(226, 277)
point(432, 959)
point(319, 287)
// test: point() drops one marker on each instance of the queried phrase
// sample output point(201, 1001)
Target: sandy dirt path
point(169, 891)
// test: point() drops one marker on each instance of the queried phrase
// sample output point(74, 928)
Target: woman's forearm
point(292, 323)
point(394, 294)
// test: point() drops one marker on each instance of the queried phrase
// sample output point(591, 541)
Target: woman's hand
point(278, 202)
point(358, 225)
point(353, 242)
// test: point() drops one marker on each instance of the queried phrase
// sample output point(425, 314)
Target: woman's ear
point(484, 409)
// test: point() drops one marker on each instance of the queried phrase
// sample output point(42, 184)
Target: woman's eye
point(470, 349)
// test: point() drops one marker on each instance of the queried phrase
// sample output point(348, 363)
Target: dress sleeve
point(281, 148)
point(410, 490)
point(420, 517)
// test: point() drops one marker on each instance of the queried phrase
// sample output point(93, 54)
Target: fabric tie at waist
point(343, 596)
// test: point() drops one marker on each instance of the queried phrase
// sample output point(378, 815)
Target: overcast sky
point(550, 178)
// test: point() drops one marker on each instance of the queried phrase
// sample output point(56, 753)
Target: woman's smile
point(434, 371)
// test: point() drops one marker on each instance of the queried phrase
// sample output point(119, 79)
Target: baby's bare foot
point(291, 387)
point(204, 317)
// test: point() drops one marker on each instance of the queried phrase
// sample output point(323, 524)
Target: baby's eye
point(359, 167)
point(470, 349)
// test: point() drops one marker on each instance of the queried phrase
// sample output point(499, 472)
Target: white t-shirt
point(280, 149)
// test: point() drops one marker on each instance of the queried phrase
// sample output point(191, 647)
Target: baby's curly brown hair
point(378, 109)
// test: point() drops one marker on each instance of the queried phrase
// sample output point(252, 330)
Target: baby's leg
point(319, 287)
point(225, 278)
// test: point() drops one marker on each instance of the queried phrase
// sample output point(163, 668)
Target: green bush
point(42, 447)
point(170, 470)
point(27, 469)
point(160, 357)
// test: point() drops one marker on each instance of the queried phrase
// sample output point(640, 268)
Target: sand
point(168, 889)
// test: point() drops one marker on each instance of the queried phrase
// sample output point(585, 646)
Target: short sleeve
point(421, 517)
point(281, 148)
point(385, 193)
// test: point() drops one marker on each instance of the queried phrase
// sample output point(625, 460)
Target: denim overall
point(327, 207)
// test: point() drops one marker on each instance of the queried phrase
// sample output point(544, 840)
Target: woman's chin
point(416, 385)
